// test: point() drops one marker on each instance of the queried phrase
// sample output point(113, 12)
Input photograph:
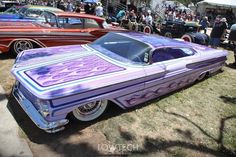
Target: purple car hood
point(61, 71)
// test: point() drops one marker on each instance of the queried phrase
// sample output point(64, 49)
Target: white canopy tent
point(211, 8)
point(221, 3)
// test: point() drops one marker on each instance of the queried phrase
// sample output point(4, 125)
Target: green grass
point(197, 121)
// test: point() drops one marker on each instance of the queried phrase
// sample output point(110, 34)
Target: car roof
point(43, 8)
point(79, 15)
point(154, 41)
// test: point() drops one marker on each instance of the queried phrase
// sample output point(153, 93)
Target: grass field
point(197, 121)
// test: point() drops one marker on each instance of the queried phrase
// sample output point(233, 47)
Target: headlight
point(43, 107)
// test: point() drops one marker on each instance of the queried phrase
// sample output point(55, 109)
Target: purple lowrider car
point(124, 68)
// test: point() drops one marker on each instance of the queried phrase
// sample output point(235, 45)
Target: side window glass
point(47, 19)
point(90, 23)
point(62, 21)
point(33, 13)
point(165, 54)
point(71, 23)
point(160, 55)
point(180, 52)
point(188, 51)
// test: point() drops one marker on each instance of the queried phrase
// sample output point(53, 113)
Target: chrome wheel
point(201, 77)
point(187, 38)
point(22, 45)
point(90, 111)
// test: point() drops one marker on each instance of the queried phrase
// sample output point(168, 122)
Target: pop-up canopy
point(222, 3)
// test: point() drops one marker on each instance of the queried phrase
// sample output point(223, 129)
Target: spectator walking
point(149, 18)
point(78, 8)
point(120, 16)
point(132, 7)
point(110, 10)
point(87, 8)
point(232, 39)
point(204, 24)
point(61, 5)
point(92, 9)
point(217, 31)
point(99, 9)
point(70, 7)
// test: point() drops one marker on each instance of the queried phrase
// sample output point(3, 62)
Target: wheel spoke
point(90, 111)
point(22, 45)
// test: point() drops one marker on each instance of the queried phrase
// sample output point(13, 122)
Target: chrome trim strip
point(35, 116)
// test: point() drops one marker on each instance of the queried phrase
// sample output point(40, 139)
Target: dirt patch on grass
point(6, 79)
point(197, 121)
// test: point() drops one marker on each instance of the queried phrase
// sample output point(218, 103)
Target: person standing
point(87, 8)
point(149, 18)
point(217, 31)
point(92, 9)
point(204, 24)
point(132, 7)
point(78, 8)
point(60, 5)
point(70, 7)
point(99, 9)
point(110, 10)
point(120, 16)
point(232, 39)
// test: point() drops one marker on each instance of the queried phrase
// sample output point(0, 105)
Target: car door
point(167, 70)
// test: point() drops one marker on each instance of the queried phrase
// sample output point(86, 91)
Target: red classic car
point(52, 29)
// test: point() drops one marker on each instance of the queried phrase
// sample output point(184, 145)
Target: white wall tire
point(90, 111)
point(187, 38)
point(21, 45)
point(147, 29)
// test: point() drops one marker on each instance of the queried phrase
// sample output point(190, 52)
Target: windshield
point(122, 46)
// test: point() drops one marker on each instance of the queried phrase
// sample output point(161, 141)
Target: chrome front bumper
point(35, 116)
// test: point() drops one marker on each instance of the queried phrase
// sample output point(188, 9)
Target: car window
point(71, 23)
point(77, 23)
point(165, 54)
point(32, 13)
point(90, 23)
point(47, 19)
point(123, 46)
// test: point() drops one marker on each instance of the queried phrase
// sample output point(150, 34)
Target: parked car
point(124, 68)
point(52, 29)
point(188, 31)
point(26, 13)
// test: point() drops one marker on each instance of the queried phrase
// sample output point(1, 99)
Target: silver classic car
point(124, 68)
